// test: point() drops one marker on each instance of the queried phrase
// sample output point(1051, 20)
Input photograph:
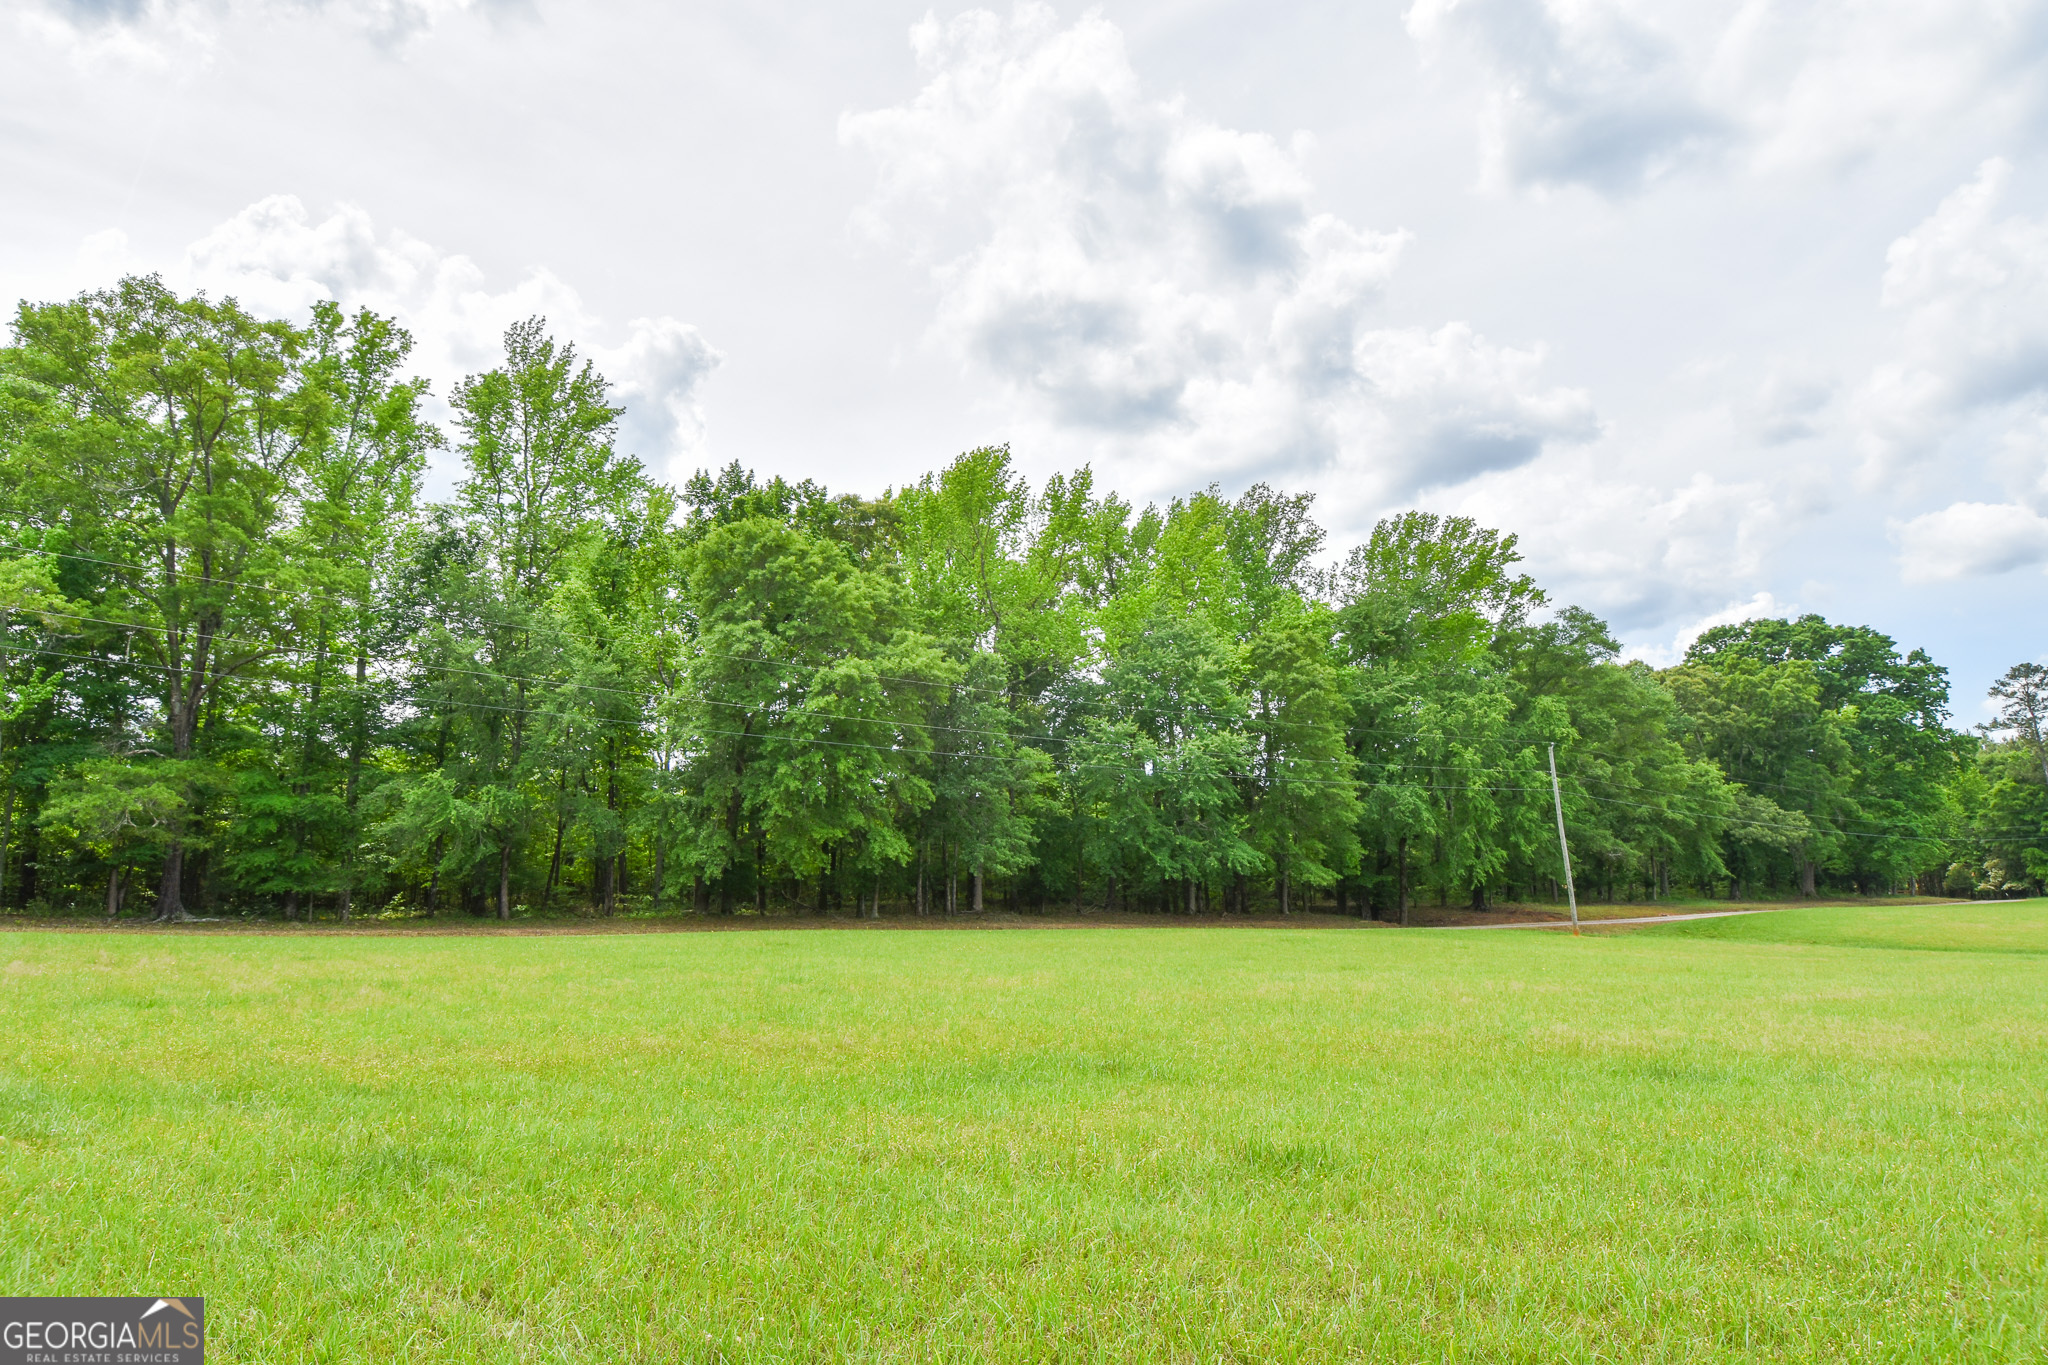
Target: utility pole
point(1557, 803)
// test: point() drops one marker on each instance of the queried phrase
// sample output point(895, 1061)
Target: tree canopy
point(249, 668)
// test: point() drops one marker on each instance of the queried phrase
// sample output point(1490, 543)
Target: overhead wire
point(771, 737)
point(1059, 704)
point(755, 706)
point(695, 647)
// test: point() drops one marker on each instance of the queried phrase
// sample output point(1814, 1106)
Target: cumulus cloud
point(1640, 550)
point(1969, 540)
point(1760, 606)
point(658, 373)
point(151, 35)
point(1969, 287)
point(277, 259)
point(156, 32)
point(1595, 94)
point(1611, 94)
point(1956, 403)
point(1162, 291)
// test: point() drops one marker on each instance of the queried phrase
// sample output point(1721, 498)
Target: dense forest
point(250, 669)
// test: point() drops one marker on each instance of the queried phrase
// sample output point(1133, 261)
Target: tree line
point(250, 668)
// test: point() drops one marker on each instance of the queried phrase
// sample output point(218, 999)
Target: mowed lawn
point(1810, 1135)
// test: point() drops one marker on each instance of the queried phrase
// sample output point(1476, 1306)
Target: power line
point(700, 698)
point(556, 683)
point(770, 737)
point(1067, 703)
point(695, 646)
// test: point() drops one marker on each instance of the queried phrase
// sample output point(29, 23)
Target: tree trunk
point(547, 889)
point(1286, 895)
point(358, 740)
point(184, 695)
point(170, 896)
point(977, 890)
point(700, 894)
point(1401, 878)
point(6, 834)
point(31, 859)
point(291, 903)
point(114, 893)
point(660, 871)
point(615, 866)
point(1806, 878)
point(505, 882)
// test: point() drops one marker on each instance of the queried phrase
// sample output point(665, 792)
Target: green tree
point(2023, 694)
point(1161, 762)
point(175, 423)
point(541, 477)
point(1304, 807)
point(1875, 803)
point(800, 715)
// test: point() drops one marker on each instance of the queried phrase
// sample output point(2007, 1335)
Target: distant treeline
point(250, 670)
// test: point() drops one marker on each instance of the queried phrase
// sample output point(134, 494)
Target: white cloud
point(1970, 290)
point(1970, 540)
point(1790, 405)
point(1759, 607)
point(105, 254)
point(154, 33)
point(1612, 94)
point(1594, 94)
point(277, 260)
point(1639, 551)
point(1159, 292)
point(659, 374)
point(100, 36)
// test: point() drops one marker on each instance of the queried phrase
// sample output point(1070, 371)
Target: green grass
point(1968, 927)
point(1794, 1136)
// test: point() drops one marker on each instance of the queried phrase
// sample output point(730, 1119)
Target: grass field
point(1818, 1134)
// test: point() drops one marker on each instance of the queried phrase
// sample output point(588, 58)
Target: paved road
point(1657, 919)
point(1638, 919)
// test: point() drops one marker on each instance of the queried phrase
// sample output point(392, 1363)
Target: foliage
point(246, 661)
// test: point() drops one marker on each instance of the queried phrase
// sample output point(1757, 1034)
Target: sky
point(1724, 309)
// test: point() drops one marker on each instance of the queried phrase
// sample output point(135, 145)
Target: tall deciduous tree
point(185, 415)
point(2023, 697)
point(541, 476)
